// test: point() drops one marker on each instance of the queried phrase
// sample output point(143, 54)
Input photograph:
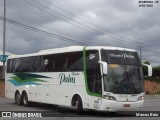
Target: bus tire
point(18, 98)
point(79, 105)
point(25, 99)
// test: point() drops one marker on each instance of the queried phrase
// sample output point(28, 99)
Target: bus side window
point(46, 63)
point(75, 61)
point(37, 64)
point(93, 71)
point(60, 62)
point(9, 66)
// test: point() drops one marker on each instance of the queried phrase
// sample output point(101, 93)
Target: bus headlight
point(141, 98)
point(109, 97)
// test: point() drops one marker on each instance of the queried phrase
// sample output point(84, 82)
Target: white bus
point(94, 77)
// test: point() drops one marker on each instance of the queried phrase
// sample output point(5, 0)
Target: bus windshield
point(123, 79)
point(124, 72)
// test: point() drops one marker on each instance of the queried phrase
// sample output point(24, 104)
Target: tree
point(147, 62)
point(156, 71)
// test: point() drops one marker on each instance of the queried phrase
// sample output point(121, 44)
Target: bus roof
point(110, 48)
point(70, 49)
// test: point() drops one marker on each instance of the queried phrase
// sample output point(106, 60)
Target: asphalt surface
point(151, 106)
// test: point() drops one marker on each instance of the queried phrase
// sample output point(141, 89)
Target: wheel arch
point(18, 97)
point(17, 91)
point(74, 98)
point(24, 92)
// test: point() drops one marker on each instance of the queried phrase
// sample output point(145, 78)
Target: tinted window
point(61, 62)
point(9, 65)
point(75, 61)
point(93, 71)
point(69, 62)
point(22, 67)
point(47, 63)
point(121, 57)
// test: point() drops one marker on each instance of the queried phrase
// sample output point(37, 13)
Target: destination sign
point(121, 57)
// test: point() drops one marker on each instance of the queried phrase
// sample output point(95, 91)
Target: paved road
point(151, 104)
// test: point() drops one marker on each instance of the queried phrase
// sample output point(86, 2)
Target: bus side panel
point(53, 88)
point(60, 91)
point(9, 87)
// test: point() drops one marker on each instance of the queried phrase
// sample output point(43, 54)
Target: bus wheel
point(79, 105)
point(18, 99)
point(25, 99)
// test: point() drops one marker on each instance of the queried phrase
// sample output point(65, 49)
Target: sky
point(61, 23)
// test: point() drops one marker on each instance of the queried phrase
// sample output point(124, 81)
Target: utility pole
point(4, 37)
point(140, 50)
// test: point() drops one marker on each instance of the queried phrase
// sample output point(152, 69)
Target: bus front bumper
point(109, 105)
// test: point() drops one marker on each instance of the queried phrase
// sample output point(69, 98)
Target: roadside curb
point(151, 98)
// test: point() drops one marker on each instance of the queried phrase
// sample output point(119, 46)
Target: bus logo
point(66, 79)
point(124, 55)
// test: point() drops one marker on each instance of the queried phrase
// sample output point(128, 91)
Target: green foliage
point(156, 71)
point(147, 62)
point(155, 79)
point(158, 93)
point(156, 74)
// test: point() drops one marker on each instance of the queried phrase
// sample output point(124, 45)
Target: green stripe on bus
point(85, 76)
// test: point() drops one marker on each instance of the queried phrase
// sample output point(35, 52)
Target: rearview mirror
point(104, 67)
point(149, 67)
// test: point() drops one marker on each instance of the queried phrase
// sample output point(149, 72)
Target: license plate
point(126, 105)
